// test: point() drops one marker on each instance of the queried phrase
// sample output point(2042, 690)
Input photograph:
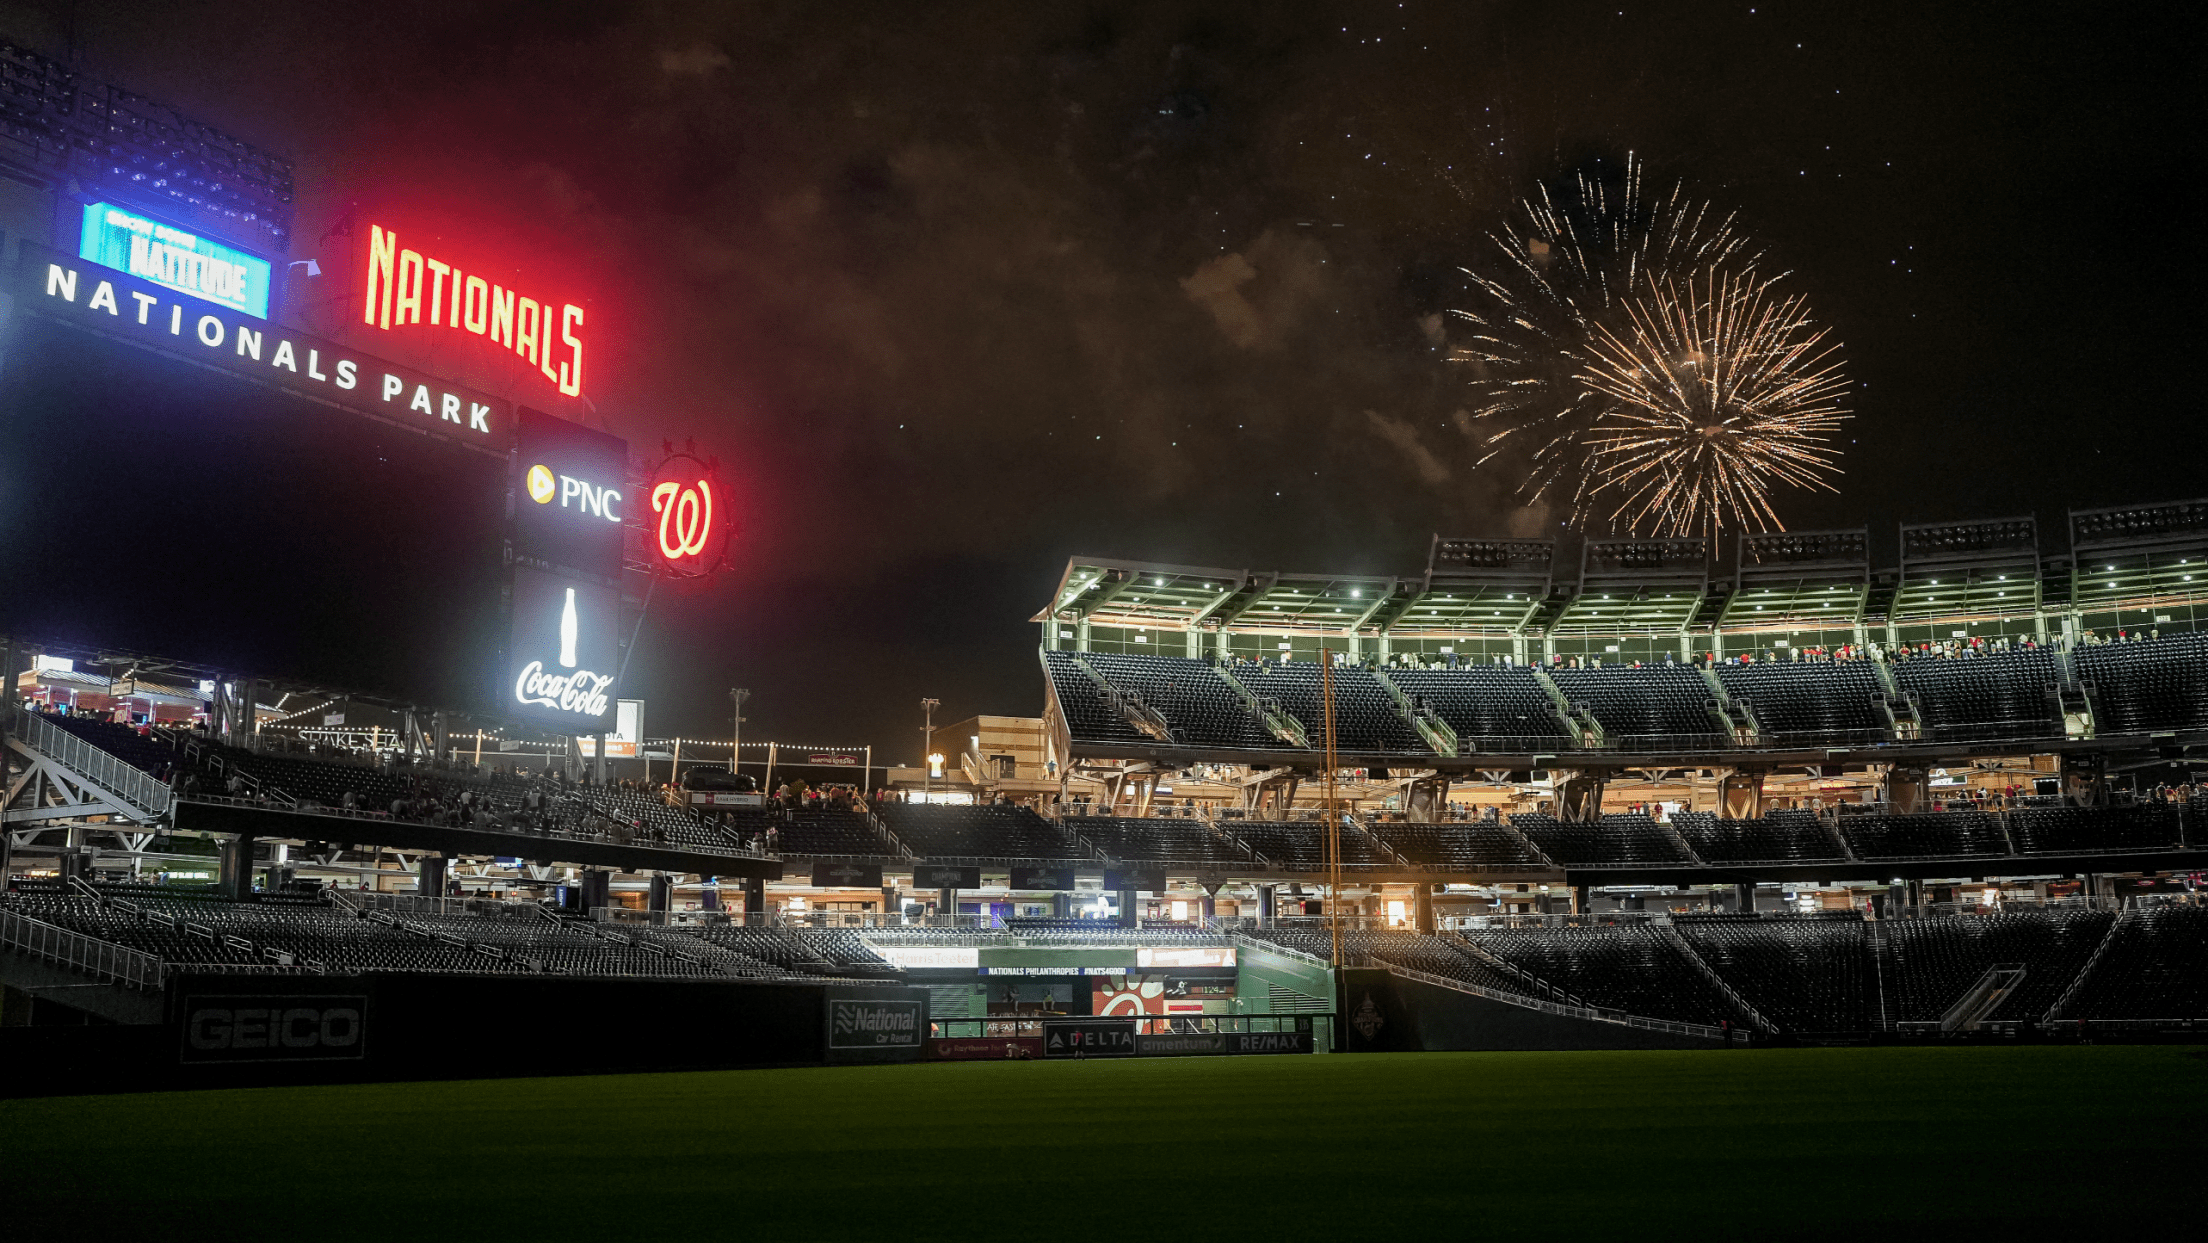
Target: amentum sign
point(174, 258)
point(109, 301)
point(564, 652)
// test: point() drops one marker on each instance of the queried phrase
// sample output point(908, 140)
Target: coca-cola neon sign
point(407, 287)
point(688, 528)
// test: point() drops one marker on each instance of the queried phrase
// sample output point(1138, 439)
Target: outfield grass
point(1774, 1143)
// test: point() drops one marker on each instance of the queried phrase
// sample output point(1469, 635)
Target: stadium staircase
point(1431, 728)
point(64, 776)
point(2077, 982)
point(2074, 700)
point(1983, 997)
point(1281, 725)
point(1140, 716)
point(1576, 719)
point(1898, 707)
point(1725, 989)
point(1738, 718)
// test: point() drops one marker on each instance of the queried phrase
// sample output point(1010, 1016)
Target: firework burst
point(1591, 360)
point(1716, 388)
point(1570, 260)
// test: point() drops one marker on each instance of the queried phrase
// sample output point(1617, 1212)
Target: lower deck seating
point(1808, 976)
point(1624, 967)
point(2155, 967)
point(1937, 960)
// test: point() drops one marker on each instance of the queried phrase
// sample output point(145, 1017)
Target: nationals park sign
point(114, 304)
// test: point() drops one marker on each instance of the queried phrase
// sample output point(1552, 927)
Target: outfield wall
point(1384, 1012)
point(246, 1030)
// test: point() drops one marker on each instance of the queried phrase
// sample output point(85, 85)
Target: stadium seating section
point(2010, 695)
point(1936, 961)
point(2156, 685)
point(1926, 835)
point(2160, 684)
point(943, 831)
point(1810, 702)
point(1778, 836)
point(1652, 707)
point(1611, 841)
point(1159, 840)
point(1815, 977)
point(1501, 706)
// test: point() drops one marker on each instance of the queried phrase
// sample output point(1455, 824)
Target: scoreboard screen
point(156, 505)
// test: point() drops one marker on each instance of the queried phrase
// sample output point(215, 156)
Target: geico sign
point(581, 495)
point(116, 305)
point(273, 1028)
point(404, 285)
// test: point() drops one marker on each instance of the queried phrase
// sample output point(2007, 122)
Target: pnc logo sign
point(577, 494)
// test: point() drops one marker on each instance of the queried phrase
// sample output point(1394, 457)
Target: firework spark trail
point(1574, 259)
point(1624, 388)
point(1716, 391)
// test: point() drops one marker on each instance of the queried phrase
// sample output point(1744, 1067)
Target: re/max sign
point(107, 301)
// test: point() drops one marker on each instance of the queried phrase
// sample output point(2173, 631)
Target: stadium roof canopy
point(2142, 559)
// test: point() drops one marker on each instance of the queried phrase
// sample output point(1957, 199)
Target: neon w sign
point(692, 532)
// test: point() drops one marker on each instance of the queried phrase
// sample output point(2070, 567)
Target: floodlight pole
point(927, 744)
point(737, 697)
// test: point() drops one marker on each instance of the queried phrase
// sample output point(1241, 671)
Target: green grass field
point(1763, 1144)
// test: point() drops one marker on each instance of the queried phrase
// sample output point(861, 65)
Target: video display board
point(569, 501)
point(154, 505)
point(564, 652)
point(174, 258)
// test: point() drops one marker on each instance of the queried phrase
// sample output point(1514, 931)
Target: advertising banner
point(274, 1029)
point(942, 876)
point(114, 304)
point(984, 1048)
point(847, 876)
point(1145, 880)
point(875, 1026)
point(628, 732)
point(568, 498)
point(1042, 878)
point(1197, 1044)
point(1088, 1038)
point(564, 649)
point(912, 957)
point(174, 258)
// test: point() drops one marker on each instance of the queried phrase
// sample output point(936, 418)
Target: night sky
point(956, 291)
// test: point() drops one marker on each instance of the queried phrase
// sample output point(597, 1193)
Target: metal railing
point(131, 784)
point(90, 955)
point(554, 833)
point(1644, 1023)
